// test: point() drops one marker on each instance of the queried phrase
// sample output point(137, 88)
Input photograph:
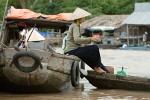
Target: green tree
point(48, 8)
point(96, 7)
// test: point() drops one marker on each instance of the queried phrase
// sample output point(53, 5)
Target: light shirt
point(144, 37)
point(74, 39)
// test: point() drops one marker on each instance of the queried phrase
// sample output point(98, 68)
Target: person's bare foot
point(99, 70)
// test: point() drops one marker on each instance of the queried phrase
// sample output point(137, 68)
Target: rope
point(27, 48)
point(3, 44)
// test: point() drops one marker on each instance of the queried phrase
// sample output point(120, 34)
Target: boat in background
point(135, 48)
point(108, 39)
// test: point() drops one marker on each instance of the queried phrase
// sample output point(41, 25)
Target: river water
point(136, 63)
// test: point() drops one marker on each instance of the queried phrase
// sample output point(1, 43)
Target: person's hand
point(96, 38)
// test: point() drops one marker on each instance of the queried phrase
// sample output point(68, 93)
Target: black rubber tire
point(26, 54)
point(82, 64)
point(75, 74)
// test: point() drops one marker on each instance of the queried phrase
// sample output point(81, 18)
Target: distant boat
point(135, 48)
point(107, 42)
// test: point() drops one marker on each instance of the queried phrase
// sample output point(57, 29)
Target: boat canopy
point(102, 28)
point(40, 23)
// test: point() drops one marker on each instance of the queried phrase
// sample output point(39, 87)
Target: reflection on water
point(78, 94)
point(137, 63)
point(109, 94)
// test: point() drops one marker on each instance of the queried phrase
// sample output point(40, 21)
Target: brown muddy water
point(136, 63)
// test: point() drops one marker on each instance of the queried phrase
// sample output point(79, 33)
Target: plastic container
point(122, 72)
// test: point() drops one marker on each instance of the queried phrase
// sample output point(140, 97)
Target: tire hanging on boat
point(82, 64)
point(23, 68)
point(75, 74)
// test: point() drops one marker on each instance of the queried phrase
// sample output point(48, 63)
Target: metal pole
point(134, 37)
point(138, 36)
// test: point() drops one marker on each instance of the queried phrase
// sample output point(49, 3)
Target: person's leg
point(99, 66)
point(144, 42)
point(91, 56)
point(99, 70)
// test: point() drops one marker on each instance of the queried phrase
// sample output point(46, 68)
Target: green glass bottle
point(122, 72)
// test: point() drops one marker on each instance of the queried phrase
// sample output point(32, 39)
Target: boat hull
point(54, 76)
point(109, 81)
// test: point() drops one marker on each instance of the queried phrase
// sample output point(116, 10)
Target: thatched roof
point(105, 20)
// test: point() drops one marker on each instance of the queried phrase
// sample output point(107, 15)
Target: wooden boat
point(135, 48)
point(109, 46)
point(112, 81)
point(35, 69)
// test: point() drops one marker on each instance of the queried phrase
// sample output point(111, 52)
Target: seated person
point(89, 54)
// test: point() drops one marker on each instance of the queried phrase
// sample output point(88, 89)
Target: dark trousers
point(90, 55)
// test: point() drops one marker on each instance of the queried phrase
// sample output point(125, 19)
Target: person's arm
point(77, 36)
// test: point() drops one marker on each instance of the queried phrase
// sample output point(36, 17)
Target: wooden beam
point(127, 35)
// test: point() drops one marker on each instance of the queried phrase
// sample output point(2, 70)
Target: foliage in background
point(96, 7)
